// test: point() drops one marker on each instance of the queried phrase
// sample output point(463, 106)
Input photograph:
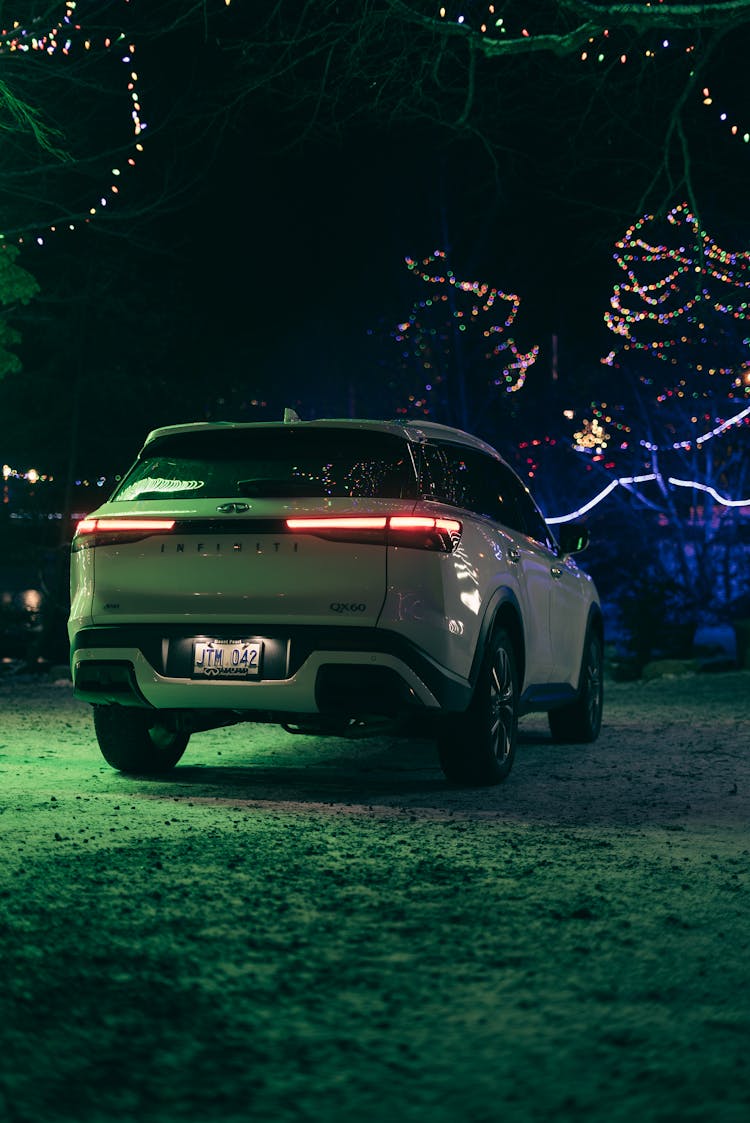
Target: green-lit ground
point(304, 930)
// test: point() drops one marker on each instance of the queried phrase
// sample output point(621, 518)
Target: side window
point(531, 521)
point(458, 475)
point(503, 496)
point(471, 479)
point(449, 474)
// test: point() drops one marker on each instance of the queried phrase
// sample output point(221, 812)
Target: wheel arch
point(596, 620)
point(503, 611)
point(594, 623)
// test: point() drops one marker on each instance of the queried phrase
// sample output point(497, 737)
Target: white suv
point(333, 577)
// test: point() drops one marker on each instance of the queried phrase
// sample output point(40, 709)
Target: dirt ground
point(294, 929)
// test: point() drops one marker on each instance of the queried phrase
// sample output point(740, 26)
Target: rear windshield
point(255, 463)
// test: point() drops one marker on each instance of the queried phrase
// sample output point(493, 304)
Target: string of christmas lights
point(686, 303)
point(65, 37)
point(592, 436)
point(601, 49)
point(679, 290)
point(34, 476)
point(511, 363)
point(726, 118)
point(531, 463)
point(684, 300)
point(696, 442)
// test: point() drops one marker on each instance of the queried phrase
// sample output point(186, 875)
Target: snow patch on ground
point(290, 928)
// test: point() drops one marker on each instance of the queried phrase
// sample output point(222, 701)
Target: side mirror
point(573, 538)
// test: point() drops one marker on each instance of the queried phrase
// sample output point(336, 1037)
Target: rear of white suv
point(329, 576)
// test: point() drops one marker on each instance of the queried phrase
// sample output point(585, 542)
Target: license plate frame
point(228, 659)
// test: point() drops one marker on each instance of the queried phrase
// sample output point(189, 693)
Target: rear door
point(561, 585)
point(499, 552)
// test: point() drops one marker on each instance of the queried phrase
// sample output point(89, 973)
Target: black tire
point(134, 740)
point(581, 721)
point(477, 748)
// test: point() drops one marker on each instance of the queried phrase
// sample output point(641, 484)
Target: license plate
point(227, 658)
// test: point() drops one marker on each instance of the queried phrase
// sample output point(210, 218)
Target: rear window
point(257, 463)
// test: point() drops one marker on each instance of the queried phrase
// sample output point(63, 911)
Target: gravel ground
point(304, 929)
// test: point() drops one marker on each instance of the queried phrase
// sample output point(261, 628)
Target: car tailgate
point(250, 569)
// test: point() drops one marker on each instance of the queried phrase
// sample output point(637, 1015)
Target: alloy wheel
point(502, 706)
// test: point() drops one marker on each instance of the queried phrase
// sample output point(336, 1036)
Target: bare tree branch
point(545, 76)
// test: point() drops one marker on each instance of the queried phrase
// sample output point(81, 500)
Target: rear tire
point(581, 721)
point(134, 740)
point(477, 748)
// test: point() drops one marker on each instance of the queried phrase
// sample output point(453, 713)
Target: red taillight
point(88, 526)
point(354, 522)
point(420, 532)
point(423, 522)
point(92, 532)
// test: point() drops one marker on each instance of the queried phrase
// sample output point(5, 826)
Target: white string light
point(626, 481)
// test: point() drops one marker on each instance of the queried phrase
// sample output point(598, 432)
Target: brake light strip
point(89, 526)
point(380, 522)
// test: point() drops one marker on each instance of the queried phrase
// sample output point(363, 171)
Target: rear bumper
point(309, 671)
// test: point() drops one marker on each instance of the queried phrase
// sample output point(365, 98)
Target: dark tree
point(559, 94)
point(17, 287)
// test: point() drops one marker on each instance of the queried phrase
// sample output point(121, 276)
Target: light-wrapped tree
point(673, 434)
point(456, 361)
